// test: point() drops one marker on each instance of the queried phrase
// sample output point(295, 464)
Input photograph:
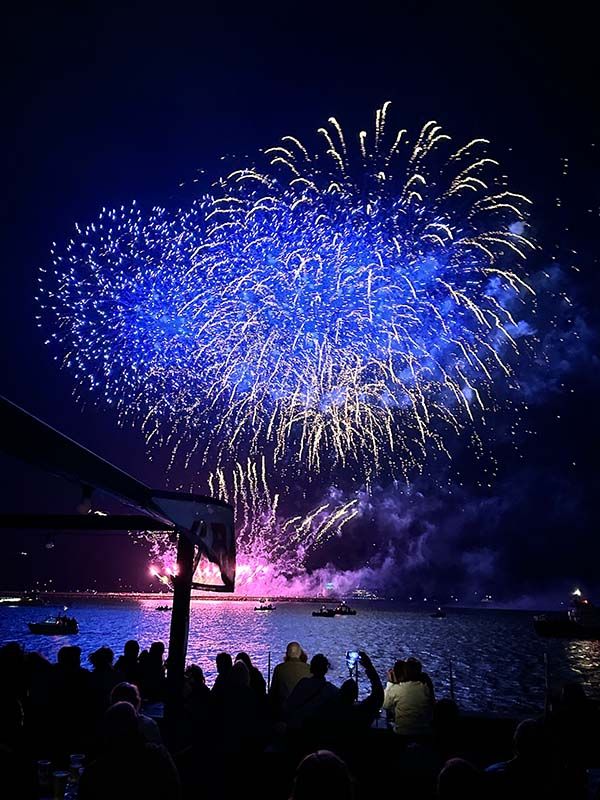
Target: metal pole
point(546, 685)
point(180, 619)
point(269, 672)
point(451, 679)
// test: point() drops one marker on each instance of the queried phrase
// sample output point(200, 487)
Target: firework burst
point(343, 308)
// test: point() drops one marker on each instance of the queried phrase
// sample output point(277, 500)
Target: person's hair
point(224, 663)
point(293, 650)
point(322, 776)
point(239, 674)
point(319, 665)
point(413, 670)
point(400, 670)
point(460, 780)
point(245, 658)
point(529, 740)
point(157, 650)
point(195, 674)
point(126, 692)
point(131, 649)
point(102, 657)
point(120, 726)
point(69, 656)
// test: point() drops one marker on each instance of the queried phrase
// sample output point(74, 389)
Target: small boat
point(30, 599)
point(164, 608)
point(581, 621)
point(439, 614)
point(264, 606)
point(344, 610)
point(60, 625)
point(324, 612)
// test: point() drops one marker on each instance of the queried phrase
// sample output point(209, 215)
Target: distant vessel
point(60, 625)
point(29, 599)
point(581, 621)
point(324, 612)
point(439, 614)
point(164, 608)
point(344, 610)
point(264, 606)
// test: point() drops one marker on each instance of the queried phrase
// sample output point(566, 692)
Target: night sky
point(104, 105)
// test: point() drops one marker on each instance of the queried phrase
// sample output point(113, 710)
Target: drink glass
point(76, 765)
point(59, 784)
point(44, 774)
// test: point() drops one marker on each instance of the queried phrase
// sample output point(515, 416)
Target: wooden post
point(180, 620)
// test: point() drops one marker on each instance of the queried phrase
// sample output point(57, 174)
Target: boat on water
point(164, 608)
point(581, 621)
point(30, 600)
point(264, 606)
point(324, 612)
point(61, 625)
point(439, 614)
point(344, 610)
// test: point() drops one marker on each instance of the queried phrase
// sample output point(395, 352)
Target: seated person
point(409, 700)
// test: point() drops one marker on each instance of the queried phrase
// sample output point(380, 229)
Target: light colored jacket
point(411, 704)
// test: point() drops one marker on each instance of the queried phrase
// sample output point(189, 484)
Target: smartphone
point(351, 658)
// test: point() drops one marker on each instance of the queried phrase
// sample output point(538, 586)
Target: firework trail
point(344, 308)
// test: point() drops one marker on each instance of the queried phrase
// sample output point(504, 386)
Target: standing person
point(257, 681)
point(102, 679)
point(127, 664)
point(224, 664)
point(286, 675)
point(310, 695)
point(152, 673)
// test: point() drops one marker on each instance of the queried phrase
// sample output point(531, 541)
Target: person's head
point(529, 740)
point(102, 658)
point(193, 679)
point(348, 694)
point(37, 664)
point(293, 652)
point(120, 726)
point(400, 671)
point(69, 657)
point(445, 716)
point(131, 649)
point(126, 693)
point(573, 696)
point(460, 780)
point(245, 658)
point(322, 776)
point(157, 650)
point(239, 674)
point(319, 665)
point(224, 663)
point(414, 669)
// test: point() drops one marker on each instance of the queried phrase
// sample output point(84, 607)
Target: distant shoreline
point(214, 596)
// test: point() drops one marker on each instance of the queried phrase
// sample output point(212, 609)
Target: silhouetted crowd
point(72, 732)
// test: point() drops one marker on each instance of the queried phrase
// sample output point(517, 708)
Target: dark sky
point(105, 102)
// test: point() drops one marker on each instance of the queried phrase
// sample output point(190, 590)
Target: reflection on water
point(497, 659)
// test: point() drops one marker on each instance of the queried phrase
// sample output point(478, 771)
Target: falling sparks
point(346, 307)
